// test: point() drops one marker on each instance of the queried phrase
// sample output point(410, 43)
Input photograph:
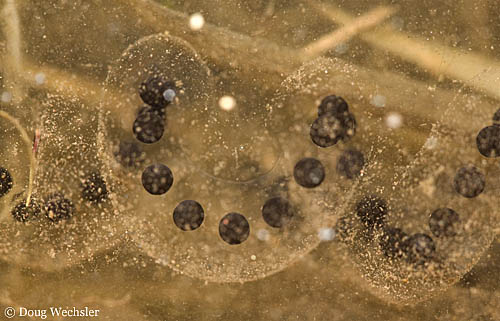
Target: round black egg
point(5, 181)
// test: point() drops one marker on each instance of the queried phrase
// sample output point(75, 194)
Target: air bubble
point(157, 90)
point(227, 103)
point(196, 21)
point(379, 101)
point(326, 234)
point(40, 78)
point(6, 97)
point(169, 95)
point(394, 120)
point(496, 117)
point(152, 112)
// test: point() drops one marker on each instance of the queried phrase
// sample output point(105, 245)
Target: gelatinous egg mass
point(399, 221)
point(199, 178)
point(431, 220)
point(250, 159)
point(67, 219)
point(226, 140)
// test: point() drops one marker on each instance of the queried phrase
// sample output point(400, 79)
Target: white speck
point(253, 258)
point(378, 101)
point(326, 234)
point(397, 23)
point(196, 21)
point(314, 178)
point(6, 97)
point(263, 235)
point(394, 120)
point(169, 95)
point(341, 48)
point(227, 103)
point(40, 78)
point(431, 142)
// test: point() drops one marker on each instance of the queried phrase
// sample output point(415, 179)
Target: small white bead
point(394, 120)
point(169, 95)
point(326, 234)
point(378, 101)
point(6, 97)
point(196, 21)
point(40, 78)
point(227, 103)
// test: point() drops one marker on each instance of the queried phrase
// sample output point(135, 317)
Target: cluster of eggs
point(55, 207)
point(66, 217)
point(236, 194)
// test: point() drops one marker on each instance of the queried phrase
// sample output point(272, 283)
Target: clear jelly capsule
point(227, 193)
point(66, 216)
point(422, 210)
point(419, 229)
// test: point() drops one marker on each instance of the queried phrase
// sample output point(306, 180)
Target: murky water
point(250, 160)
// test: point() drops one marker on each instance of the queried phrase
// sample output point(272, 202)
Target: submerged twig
point(358, 25)
point(219, 45)
point(432, 57)
point(253, 59)
point(13, 57)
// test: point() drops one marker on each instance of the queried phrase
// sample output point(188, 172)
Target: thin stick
point(250, 56)
point(358, 25)
point(219, 45)
point(13, 58)
point(430, 56)
point(27, 141)
point(70, 84)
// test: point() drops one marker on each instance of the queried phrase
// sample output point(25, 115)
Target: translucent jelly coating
point(67, 220)
point(234, 161)
point(389, 237)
